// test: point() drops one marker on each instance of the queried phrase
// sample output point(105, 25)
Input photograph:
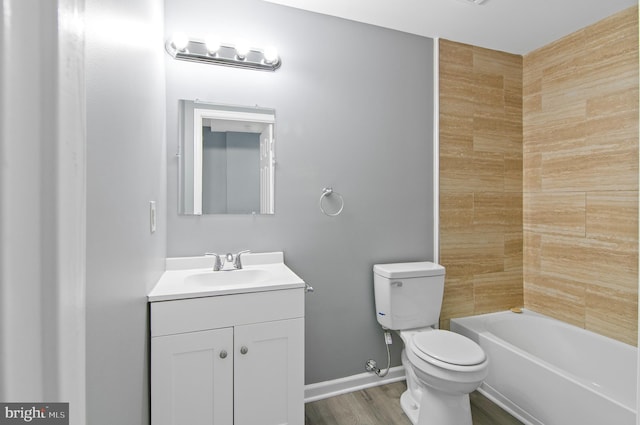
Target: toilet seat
point(440, 347)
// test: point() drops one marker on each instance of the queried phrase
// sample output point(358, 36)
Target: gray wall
point(243, 172)
point(354, 111)
point(230, 172)
point(125, 170)
point(214, 172)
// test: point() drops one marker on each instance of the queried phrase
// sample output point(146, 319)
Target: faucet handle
point(217, 263)
point(237, 263)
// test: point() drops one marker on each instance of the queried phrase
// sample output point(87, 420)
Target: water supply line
point(371, 365)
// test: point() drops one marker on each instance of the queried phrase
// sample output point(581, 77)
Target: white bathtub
point(546, 372)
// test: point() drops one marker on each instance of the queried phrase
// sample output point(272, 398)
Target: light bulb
point(242, 49)
point(179, 41)
point(213, 45)
point(271, 55)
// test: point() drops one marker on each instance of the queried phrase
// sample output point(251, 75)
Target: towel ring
point(326, 192)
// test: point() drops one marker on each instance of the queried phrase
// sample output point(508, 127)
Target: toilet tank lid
point(406, 270)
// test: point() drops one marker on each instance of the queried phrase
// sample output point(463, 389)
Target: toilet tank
point(408, 295)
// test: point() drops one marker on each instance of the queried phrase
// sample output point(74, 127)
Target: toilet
point(441, 367)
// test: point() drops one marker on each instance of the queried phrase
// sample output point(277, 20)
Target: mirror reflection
point(226, 159)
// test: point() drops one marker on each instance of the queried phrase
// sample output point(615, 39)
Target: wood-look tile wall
point(480, 179)
point(539, 178)
point(581, 177)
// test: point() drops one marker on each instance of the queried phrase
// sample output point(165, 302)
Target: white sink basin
point(231, 277)
point(193, 277)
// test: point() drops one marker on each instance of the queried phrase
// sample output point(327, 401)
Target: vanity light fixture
point(179, 42)
point(270, 55)
point(214, 52)
point(242, 50)
point(212, 45)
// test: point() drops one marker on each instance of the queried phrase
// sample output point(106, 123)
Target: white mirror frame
point(267, 155)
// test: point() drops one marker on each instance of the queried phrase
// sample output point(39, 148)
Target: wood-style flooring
point(381, 406)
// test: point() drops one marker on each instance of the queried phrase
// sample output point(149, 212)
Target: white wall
point(125, 170)
point(42, 202)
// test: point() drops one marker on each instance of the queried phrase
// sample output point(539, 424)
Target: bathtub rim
point(479, 327)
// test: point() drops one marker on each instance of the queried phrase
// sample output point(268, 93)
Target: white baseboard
point(326, 389)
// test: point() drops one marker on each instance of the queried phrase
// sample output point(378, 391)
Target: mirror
point(226, 159)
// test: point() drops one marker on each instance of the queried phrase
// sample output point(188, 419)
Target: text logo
point(34, 413)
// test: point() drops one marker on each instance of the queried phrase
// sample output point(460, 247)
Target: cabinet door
point(192, 378)
point(269, 373)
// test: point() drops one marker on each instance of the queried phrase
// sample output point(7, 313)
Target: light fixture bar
point(227, 55)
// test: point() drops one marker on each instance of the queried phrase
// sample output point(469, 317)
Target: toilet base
point(440, 408)
point(409, 407)
point(437, 408)
point(425, 405)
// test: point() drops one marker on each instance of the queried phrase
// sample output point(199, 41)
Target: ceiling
point(514, 26)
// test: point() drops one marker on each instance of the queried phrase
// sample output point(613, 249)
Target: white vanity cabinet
point(192, 378)
point(228, 360)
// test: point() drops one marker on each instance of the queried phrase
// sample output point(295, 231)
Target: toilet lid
point(448, 347)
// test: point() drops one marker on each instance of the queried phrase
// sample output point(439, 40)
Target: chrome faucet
point(237, 263)
point(217, 263)
point(236, 259)
point(229, 258)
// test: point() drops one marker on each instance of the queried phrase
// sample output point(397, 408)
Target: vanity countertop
point(193, 277)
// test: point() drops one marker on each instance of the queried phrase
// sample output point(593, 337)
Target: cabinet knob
point(244, 350)
point(223, 354)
